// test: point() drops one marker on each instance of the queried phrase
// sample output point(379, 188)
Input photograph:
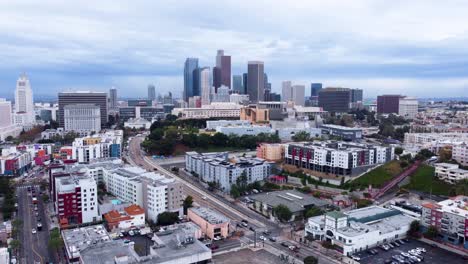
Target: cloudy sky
point(417, 47)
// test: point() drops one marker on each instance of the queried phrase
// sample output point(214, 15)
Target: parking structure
point(433, 255)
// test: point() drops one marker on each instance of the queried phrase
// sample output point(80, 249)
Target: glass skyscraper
point(191, 64)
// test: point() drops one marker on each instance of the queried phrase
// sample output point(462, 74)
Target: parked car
point(262, 238)
point(33, 231)
point(251, 228)
point(272, 239)
point(357, 258)
point(217, 238)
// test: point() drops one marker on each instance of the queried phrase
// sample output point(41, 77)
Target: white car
point(217, 238)
point(131, 233)
point(421, 249)
point(356, 258)
point(263, 238)
point(34, 231)
point(204, 197)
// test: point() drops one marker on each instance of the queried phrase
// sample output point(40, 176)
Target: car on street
point(272, 239)
point(252, 229)
point(33, 231)
point(262, 238)
point(217, 238)
point(357, 258)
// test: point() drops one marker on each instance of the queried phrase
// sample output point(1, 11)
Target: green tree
point(398, 150)
point(282, 212)
point(415, 226)
point(301, 136)
point(45, 198)
point(156, 134)
point(431, 232)
point(235, 193)
point(310, 260)
point(15, 244)
point(187, 203)
point(314, 211)
point(241, 181)
point(167, 218)
point(55, 241)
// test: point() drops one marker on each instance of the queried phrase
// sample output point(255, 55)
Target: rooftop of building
point(456, 205)
point(134, 210)
point(209, 215)
point(334, 145)
point(341, 127)
point(450, 166)
point(294, 200)
point(221, 159)
point(78, 239)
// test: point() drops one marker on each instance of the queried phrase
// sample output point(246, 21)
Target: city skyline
point(402, 48)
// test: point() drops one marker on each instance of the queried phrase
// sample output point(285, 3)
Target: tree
point(55, 241)
point(310, 260)
point(241, 181)
point(445, 154)
point(171, 118)
point(15, 244)
point(282, 212)
point(156, 134)
point(398, 150)
point(414, 228)
point(235, 193)
point(431, 232)
point(167, 218)
point(314, 211)
point(301, 136)
point(45, 198)
point(187, 203)
point(425, 153)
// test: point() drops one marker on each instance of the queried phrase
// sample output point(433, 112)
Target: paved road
point(34, 246)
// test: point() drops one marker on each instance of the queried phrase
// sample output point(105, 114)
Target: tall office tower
point(223, 63)
point(24, 99)
point(190, 65)
point(333, 99)
point(245, 83)
point(315, 88)
point(265, 80)
point(83, 97)
point(388, 104)
point(237, 84)
point(255, 83)
point(113, 98)
point(205, 85)
point(151, 92)
point(216, 77)
point(5, 113)
point(356, 95)
point(298, 94)
point(82, 118)
point(286, 91)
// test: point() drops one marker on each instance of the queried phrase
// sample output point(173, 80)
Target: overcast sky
point(416, 48)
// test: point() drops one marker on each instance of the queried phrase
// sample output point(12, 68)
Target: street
point(34, 247)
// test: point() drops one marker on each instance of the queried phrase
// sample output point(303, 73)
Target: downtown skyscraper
point(190, 88)
point(151, 92)
point(113, 98)
point(222, 70)
point(255, 81)
point(24, 105)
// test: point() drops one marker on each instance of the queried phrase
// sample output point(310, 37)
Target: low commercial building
point(450, 173)
point(251, 130)
point(79, 239)
point(212, 223)
point(218, 168)
point(137, 123)
point(345, 133)
point(360, 229)
point(130, 217)
point(254, 114)
point(339, 158)
point(270, 152)
point(213, 124)
point(297, 202)
point(218, 110)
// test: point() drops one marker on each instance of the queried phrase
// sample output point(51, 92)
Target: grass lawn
point(422, 180)
point(380, 175)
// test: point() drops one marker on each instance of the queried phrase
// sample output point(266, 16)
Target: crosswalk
point(20, 187)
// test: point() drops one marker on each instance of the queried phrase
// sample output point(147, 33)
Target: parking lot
point(432, 255)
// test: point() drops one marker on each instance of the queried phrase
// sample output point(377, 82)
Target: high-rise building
point(82, 118)
point(315, 88)
point(24, 104)
point(5, 113)
point(82, 97)
point(255, 81)
point(388, 104)
point(205, 85)
point(189, 88)
point(216, 77)
point(408, 107)
point(237, 84)
point(223, 63)
point(356, 95)
point(151, 92)
point(298, 94)
point(113, 98)
point(333, 99)
point(286, 92)
point(245, 83)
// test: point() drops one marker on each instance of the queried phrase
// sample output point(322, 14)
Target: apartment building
point(76, 199)
point(15, 163)
point(460, 153)
point(220, 110)
point(450, 173)
point(105, 145)
point(435, 141)
point(450, 217)
point(154, 192)
point(270, 152)
point(345, 133)
point(340, 158)
point(217, 167)
point(360, 229)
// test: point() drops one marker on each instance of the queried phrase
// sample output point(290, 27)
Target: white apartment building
point(104, 145)
point(359, 229)
point(408, 107)
point(450, 173)
point(153, 192)
point(82, 118)
point(460, 153)
point(215, 167)
point(340, 158)
point(435, 141)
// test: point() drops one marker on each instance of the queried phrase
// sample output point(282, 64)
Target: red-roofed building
point(131, 217)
